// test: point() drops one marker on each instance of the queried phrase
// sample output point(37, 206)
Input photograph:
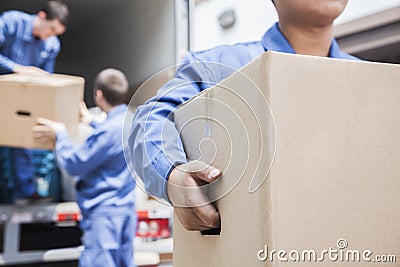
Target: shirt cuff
point(164, 167)
point(11, 65)
point(94, 124)
point(62, 135)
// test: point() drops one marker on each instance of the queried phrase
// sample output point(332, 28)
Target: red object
point(66, 217)
point(142, 214)
point(153, 228)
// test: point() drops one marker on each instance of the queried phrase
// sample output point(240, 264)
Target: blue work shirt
point(19, 46)
point(104, 182)
point(154, 141)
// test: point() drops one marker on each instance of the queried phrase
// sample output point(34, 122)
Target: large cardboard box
point(25, 98)
point(310, 150)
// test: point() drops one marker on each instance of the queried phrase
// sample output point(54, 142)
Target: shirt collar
point(335, 51)
point(28, 33)
point(274, 40)
point(116, 110)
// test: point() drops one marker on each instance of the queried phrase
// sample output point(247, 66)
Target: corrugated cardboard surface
point(333, 138)
point(25, 98)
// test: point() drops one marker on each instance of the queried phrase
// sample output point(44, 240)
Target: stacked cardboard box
point(25, 98)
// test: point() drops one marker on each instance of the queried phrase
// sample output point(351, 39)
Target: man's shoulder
point(112, 124)
point(15, 15)
point(221, 61)
point(243, 50)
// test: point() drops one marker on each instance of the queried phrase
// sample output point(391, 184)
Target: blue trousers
point(108, 240)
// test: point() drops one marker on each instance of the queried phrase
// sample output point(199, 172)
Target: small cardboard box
point(309, 148)
point(25, 98)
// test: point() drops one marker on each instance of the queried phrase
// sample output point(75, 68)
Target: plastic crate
point(45, 168)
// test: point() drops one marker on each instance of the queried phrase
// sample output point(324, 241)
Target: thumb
point(202, 170)
point(82, 106)
point(44, 121)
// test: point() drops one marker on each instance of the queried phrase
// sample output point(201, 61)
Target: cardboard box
point(331, 129)
point(25, 98)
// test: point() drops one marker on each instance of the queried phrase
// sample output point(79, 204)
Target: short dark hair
point(57, 10)
point(113, 84)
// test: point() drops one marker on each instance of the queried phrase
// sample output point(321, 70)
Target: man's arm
point(76, 160)
point(80, 160)
point(7, 28)
point(157, 150)
point(154, 141)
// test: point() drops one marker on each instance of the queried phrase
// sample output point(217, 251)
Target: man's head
point(110, 88)
point(52, 20)
point(311, 12)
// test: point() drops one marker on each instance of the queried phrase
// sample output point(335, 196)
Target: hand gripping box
point(25, 98)
point(310, 153)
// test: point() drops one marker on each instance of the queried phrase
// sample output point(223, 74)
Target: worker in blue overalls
point(29, 45)
point(304, 27)
point(105, 188)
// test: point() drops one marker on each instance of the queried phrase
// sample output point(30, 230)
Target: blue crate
point(45, 167)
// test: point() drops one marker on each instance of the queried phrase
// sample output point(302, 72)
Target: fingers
point(40, 129)
point(209, 215)
point(29, 70)
point(190, 219)
point(82, 108)
point(40, 71)
point(35, 71)
point(43, 121)
point(42, 133)
point(187, 190)
point(82, 105)
point(198, 213)
point(85, 115)
point(188, 184)
point(44, 139)
point(55, 126)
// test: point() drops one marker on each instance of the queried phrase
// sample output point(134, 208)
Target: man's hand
point(46, 130)
point(85, 115)
point(30, 70)
point(190, 202)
